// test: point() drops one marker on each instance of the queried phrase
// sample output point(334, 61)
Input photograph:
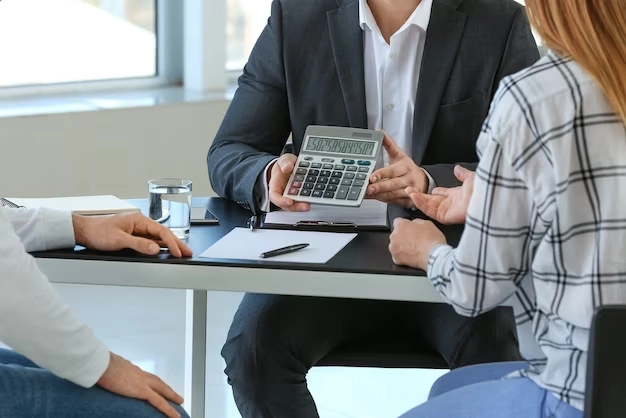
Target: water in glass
point(170, 205)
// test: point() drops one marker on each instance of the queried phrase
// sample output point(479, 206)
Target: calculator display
point(340, 146)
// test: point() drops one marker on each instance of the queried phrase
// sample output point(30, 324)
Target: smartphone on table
point(202, 216)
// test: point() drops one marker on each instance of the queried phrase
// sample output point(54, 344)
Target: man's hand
point(446, 205)
point(135, 231)
point(125, 379)
point(279, 176)
point(389, 184)
point(411, 242)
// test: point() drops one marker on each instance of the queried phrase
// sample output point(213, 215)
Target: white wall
point(108, 151)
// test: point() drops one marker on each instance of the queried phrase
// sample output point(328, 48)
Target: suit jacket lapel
point(346, 38)
point(443, 37)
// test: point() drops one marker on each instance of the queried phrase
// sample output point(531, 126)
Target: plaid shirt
point(547, 220)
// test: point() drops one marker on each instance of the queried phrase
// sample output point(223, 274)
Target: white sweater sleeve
point(33, 319)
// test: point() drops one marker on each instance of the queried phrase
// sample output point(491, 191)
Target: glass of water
point(170, 204)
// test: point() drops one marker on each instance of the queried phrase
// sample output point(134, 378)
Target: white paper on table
point(370, 213)
point(243, 244)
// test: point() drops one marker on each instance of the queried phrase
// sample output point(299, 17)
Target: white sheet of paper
point(243, 244)
point(370, 213)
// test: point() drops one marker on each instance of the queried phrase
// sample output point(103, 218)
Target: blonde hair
point(593, 33)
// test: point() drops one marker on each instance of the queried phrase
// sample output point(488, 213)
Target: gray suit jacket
point(307, 68)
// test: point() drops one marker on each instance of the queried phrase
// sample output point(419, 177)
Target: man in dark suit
point(424, 71)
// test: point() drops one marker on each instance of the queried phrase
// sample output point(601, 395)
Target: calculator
point(334, 165)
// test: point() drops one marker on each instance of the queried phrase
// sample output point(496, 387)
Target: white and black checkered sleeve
point(494, 254)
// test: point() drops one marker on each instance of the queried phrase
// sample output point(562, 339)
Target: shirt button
point(393, 55)
point(390, 106)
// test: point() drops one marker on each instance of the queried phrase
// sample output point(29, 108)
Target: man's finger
point(163, 389)
point(161, 404)
point(462, 173)
point(393, 150)
point(143, 245)
point(389, 172)
point(287, 162)
point(176, 246)
point(279, 200)
point(387, 185)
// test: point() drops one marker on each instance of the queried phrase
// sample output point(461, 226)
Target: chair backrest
point(605, 395)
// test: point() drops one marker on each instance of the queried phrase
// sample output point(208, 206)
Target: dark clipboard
point(324, 226)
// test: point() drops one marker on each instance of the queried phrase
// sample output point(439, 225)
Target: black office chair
point(606, 365)
point(388, 354)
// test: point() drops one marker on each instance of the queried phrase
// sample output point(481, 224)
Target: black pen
point(284, 250)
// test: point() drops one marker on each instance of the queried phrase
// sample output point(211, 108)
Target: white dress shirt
point(392, 73)
point(547, 220)
point(33, 319)
point(391, 76)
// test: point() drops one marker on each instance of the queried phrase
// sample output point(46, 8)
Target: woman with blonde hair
point(545, 218)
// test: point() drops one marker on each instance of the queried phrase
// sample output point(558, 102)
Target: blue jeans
point(29, 391)
point(479, 392)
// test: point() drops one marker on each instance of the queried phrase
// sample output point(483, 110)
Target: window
point(64, 41)
point(245, 20)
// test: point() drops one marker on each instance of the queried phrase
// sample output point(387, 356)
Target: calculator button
point(314, 172)
point(308, 185)
point(328, 160)
point(337, 174)
point(305, 192)
point(320, 186)
point(331, 187)
point(316, 165)
point(346, 182)
point(358, 183)
point(342, 193)
point(340, 167)
point(351, 168)
point(296, 184)
point(298, 177)
point(311, 179)
point(294, 191)
point(361, 176)
point(308, 158)
point(347, 161)
point(348, 176)
point(303, 164)
point(327, 166)
point(317, 193)
point(334, 180)
point(354, 193)
point(364, 170)
point(301, 171)
point(329, 195)
point(325, 173)
point(323, 180)
point(362, 162)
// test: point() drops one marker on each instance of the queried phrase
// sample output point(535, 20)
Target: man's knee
point(258, 344)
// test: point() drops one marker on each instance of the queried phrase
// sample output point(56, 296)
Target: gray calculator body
point(334, 165)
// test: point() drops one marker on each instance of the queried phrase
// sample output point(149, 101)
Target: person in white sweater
point(59, 367)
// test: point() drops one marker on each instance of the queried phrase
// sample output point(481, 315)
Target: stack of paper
point(81, 205)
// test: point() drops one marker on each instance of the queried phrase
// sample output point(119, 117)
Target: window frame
point(169, 62)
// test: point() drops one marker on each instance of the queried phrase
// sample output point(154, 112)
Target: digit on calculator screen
point(340, 146)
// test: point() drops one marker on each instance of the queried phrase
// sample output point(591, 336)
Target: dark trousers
point(274, 340)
